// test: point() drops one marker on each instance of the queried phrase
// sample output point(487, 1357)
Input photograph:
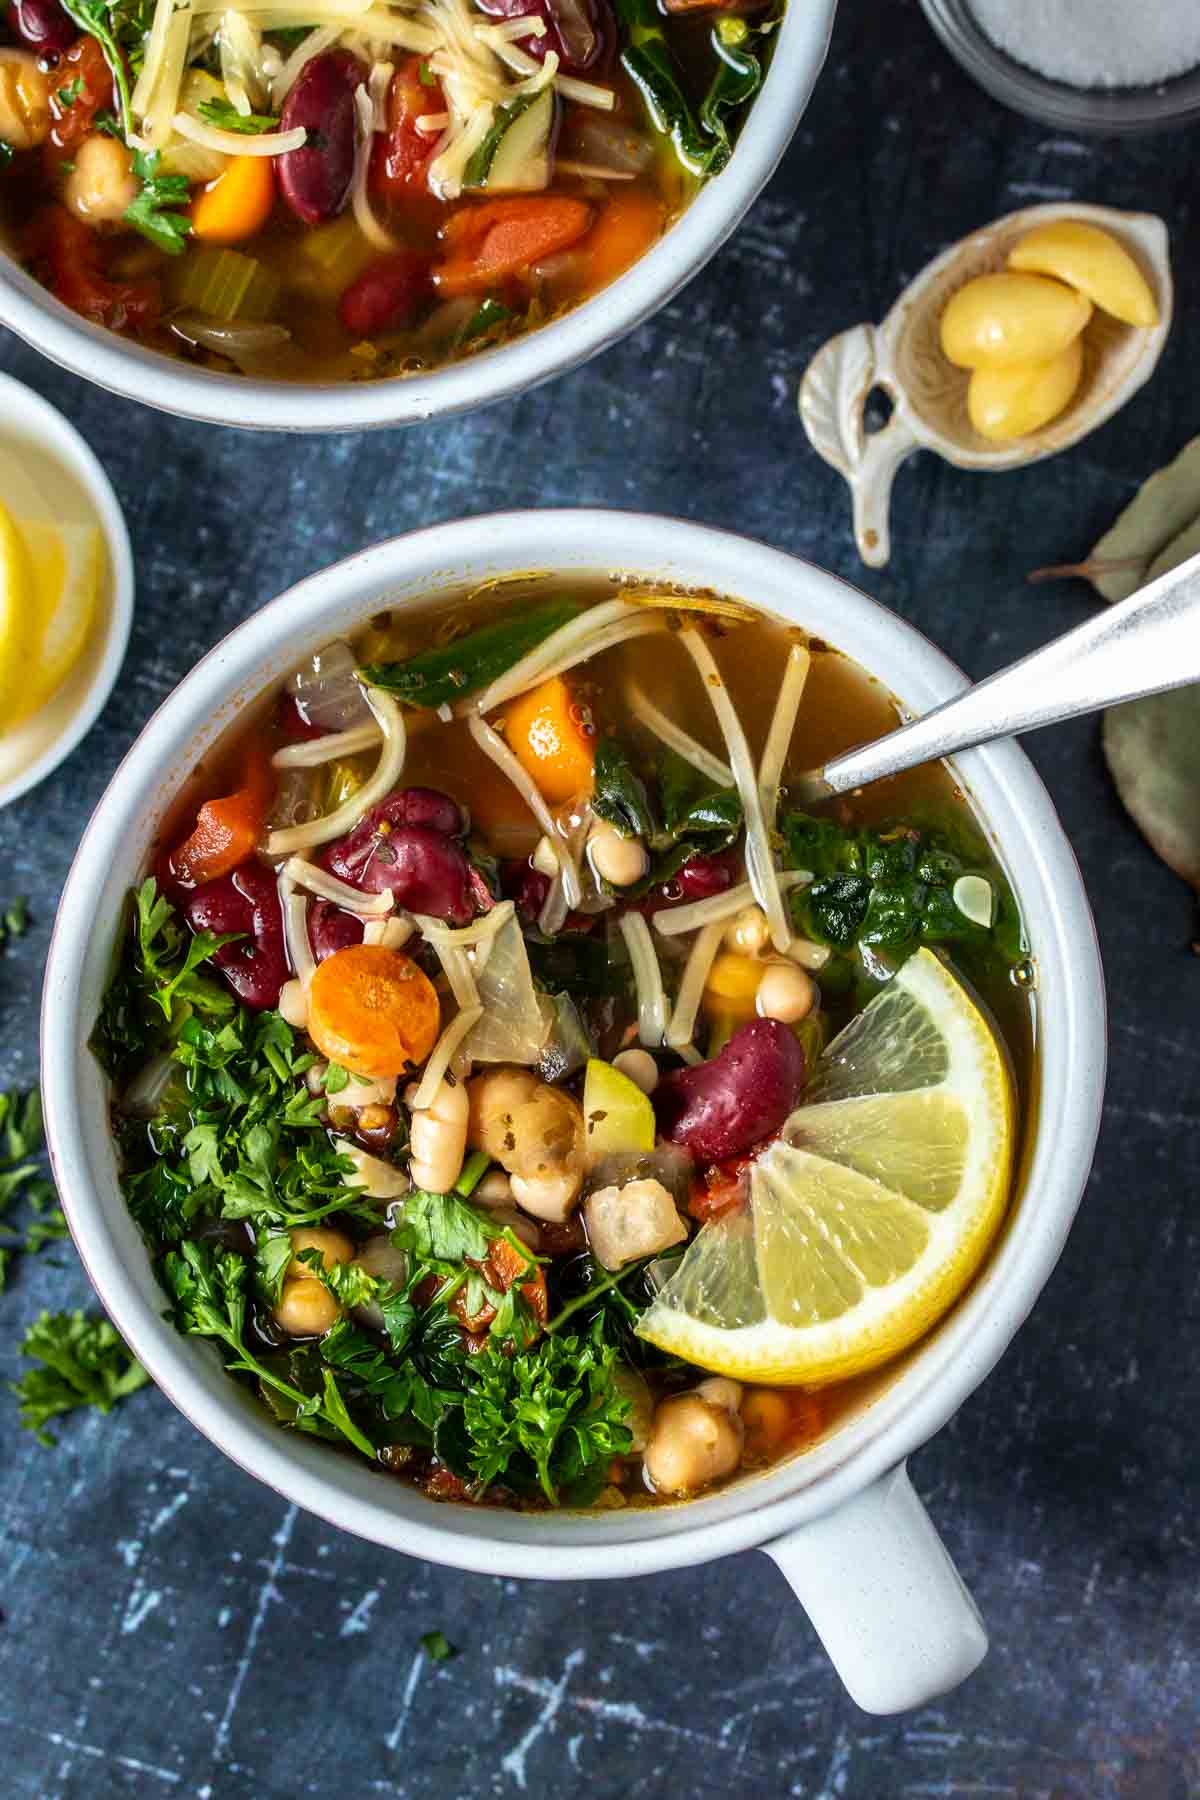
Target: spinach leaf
point(440, 676)
point(739, 49)
point(619, 794)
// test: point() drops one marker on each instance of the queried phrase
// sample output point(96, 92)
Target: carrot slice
point(237, 204)
point(630, 222)
point(373, 1011)
point(488, 243)
point(552, 737)
point(227, 830)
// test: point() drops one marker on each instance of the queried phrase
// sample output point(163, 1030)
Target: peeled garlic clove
point(1010, 403)
point(996, 321)
point(1092, 261)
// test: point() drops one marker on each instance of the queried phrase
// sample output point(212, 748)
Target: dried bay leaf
point(1152, 746)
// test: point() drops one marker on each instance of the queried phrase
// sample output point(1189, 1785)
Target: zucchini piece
point(514, 157)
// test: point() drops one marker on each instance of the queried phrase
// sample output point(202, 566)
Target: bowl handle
point(888, 1604)
point(833, 396)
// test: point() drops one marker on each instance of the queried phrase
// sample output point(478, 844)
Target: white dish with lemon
point(66, 588)
point(905, 1204)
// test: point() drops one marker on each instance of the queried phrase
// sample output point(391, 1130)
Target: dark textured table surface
point(169, 1626)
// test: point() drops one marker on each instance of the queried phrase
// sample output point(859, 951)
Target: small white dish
point(929, 394)
point(51, 453)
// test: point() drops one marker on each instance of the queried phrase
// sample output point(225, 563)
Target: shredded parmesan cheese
point(305, 50)
point(360, 199)
point(162, 96)
point(676, 738)
point(652, 1001)
point(779, 736)
point(493, 746)
point(760, 864)
point(233, 143)
point(328, 887)
point(320, 750)
point(682, 1027)
point(441, 1054)
point(382, 781)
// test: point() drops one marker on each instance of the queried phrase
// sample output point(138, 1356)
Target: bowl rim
point(1015, 808)
point(137, 373)
point(53, 432)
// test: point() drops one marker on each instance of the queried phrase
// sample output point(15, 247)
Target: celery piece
point(224, 284)
point(334, 255)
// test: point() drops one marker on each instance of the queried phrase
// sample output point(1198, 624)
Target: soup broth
point(466, 1090)
point(368, 191)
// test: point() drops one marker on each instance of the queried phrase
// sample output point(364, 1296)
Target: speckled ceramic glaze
point(841, 1520)
point(140, 374)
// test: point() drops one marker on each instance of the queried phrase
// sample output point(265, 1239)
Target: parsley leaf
point(437, 1646)
point(24, 1181)
point(14, 922)
point(153, 212)
point(84, 1363)
point(67, 96)
point(225, 115)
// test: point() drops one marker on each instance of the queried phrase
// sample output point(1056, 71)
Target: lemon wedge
point(871, 1212)
point(19, 621)
point(62, 565)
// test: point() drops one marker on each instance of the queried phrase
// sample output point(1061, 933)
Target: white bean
point(616, 859)
point(438, 1139)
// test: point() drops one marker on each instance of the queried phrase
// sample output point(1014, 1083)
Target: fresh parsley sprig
point(84, 1362)
point(23, 1181)
point(154, 211)
point(225, 116)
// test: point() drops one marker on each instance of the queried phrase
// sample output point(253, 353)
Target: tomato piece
point(227, 830)
point(504, 1266)
point(84, 74)
point(69, 254)
point(719, 1188)
point(401, 156)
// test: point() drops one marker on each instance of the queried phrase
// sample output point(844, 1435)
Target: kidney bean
point(426, 871)
point(580, 32)
point(720, 1108)
point(315, 180)
point(360, 857)
point(698, 879)
point(330, 929)
point(43, 25)
point(246, 901)
point(526, 886)
point(389, 294)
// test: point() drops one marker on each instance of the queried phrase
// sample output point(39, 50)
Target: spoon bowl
point(929, 393)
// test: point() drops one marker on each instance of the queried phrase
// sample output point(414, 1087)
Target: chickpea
point(785, 993)
point(748, 931)
point(293, 1004)
point(438, 1138)
point(692, 1444)
point(306, 1308)
point(616, 859)
point(718, 1390)
point(102, 186)
point(335, 1248)
point(24, 101)
point(766, 1420)
point(640, 1067)
point(535, 1131)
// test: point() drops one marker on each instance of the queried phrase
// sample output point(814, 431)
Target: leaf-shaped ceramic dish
point(929, 394)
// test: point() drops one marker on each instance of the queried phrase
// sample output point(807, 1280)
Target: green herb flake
point(225, 116)
point(437, 1646)
point(14, 921)
point(154, 212)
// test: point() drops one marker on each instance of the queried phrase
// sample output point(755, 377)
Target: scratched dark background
point(171, 1628)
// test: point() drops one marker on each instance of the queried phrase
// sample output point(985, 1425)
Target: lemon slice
point(65, 562)
point(871, 1212)
point(19, 623)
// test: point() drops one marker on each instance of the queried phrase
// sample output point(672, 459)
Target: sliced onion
point(256, 349)
point(575, 28)
point(377, 787)
point(514, 1028)
point(293, 803)
point(329, 691)
point(612, 144)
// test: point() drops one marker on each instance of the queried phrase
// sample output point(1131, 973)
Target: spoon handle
point(1143, 645)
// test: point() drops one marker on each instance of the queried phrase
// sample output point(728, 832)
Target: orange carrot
point(373, 1011)
point(631, 221)
point(237, 204)
point(227, 830)
point(487, 243)
point(552, 738)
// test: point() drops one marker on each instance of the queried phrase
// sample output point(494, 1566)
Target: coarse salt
point(1096, 43)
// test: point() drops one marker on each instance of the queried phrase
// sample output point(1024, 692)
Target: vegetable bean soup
point(345, 189)
point(521, 1089)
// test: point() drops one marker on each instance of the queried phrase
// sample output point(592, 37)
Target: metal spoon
point(1143, 645)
